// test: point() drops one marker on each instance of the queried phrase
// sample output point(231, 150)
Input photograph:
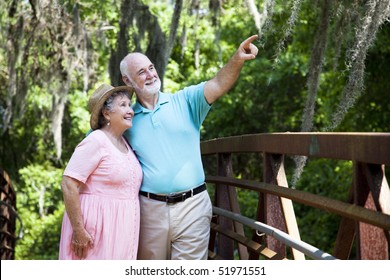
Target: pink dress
point(109, 199)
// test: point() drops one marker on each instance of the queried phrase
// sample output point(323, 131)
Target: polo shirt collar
point(162, 99)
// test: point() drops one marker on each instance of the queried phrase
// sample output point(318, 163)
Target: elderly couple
point(134, 187)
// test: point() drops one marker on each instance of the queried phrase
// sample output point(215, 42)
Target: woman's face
point(121, 114)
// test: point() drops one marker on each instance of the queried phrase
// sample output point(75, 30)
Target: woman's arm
point(81, 239)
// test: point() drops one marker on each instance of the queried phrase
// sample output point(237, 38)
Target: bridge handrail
point(364, 147)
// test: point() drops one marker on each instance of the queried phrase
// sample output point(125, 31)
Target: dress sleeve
point(85, 158)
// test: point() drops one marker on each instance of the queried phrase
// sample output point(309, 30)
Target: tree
point(138, 21)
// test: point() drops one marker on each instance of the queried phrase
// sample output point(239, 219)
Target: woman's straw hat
point(97, 99)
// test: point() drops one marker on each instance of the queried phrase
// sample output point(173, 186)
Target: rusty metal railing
point(365, 217)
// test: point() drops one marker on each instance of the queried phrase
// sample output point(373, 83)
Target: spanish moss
point(377, 12)
point(313, 82)
point(296, 6)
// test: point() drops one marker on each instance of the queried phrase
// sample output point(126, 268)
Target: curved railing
point(365, 217)
point(8, 216)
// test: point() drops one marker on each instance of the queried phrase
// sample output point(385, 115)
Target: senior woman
point(101, 184)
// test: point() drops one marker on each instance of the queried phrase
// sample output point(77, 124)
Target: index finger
point(249, 40)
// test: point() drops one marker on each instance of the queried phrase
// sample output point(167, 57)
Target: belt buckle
point(173, 198)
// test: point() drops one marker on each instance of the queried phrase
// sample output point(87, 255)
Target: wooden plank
point(242, 250)
point(369, 184)
point(274, 213)
point(290, 220)
point(364, 147)
point(344, 239)
point(225, 245)
point(345, 234)
point(248, 243)
point(213, 256)
point(260, 216)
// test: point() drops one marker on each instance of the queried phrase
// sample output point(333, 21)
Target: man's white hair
point(124, 67)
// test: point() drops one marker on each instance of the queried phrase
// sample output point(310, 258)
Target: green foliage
point(41, 235)
point(76, 122)
point(40, 191)
point(327, 178)
point(248, 201)
point(40, 208)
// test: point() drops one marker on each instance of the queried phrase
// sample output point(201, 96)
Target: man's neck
point(149, 102)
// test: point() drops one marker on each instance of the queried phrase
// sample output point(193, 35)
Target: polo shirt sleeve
point(197, 102)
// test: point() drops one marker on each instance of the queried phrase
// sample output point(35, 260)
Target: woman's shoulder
point(97, 134)
point(96, 137)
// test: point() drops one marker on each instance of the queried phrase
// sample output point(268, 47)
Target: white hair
point(124, 67)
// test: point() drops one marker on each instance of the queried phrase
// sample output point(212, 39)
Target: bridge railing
point(8, 217)
point(365, 216)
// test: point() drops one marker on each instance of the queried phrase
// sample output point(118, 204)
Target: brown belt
point(175, 197)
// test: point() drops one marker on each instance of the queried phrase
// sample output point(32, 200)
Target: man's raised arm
point(228, 74)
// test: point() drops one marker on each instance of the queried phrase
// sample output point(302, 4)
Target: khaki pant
point(177, 231)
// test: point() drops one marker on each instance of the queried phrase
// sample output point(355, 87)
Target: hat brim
point(94, 121)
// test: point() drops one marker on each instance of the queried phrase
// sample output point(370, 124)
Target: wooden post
point(225, 244)
point(345, 235)
point(372, 192)
point(273, 208)
point(279, 211)
point(261, 217)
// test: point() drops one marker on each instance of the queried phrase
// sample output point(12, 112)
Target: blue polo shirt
point(166, 140)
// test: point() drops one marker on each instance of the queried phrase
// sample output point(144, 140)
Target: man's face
point(142, 75)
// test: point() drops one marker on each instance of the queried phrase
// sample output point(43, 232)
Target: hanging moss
point(376, 13)
point(296, 6)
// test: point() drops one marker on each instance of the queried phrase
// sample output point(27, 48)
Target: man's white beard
point(152, 89)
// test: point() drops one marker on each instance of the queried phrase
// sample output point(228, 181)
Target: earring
point(108, 123)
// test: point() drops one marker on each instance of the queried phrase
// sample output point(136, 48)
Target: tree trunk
point(135, 14)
